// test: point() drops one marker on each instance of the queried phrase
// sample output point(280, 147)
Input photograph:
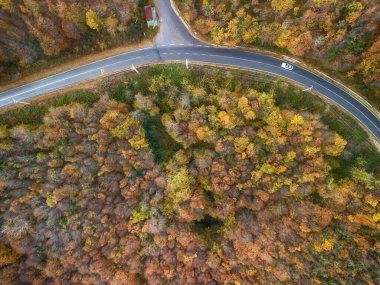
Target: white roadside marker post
point(20, 102)
point(307, 89)
point(135, 69)
point(187, 63)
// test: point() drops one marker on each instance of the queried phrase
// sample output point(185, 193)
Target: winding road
point(174, 43)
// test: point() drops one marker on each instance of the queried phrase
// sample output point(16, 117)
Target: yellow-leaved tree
point(282, 6)
point(7, 5)
point(93, 20)
point(336, 148)
point(131, 130)
point(178, 190)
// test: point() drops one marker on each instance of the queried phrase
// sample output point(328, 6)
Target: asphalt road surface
point(175, 43)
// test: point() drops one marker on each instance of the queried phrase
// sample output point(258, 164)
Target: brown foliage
point(55, 26)
point(340, 35)
point(246, 200)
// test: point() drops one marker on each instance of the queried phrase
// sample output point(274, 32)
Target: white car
point(287, 66)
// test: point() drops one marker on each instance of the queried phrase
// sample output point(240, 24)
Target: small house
point(151, 17)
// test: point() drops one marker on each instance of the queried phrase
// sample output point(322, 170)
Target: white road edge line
point(87, 64)
point(63, 79)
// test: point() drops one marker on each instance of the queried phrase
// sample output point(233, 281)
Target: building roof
point(148, 13)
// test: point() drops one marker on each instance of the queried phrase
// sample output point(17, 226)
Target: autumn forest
point(187, 174)
point(187, 177)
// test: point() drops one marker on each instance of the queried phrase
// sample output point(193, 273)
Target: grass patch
point(290, 97)
point(334, 52)
point(202, 145)
point(345, 125)
point(33, 114)
point(123, 94)
point(162, 144)
point(3, 163)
